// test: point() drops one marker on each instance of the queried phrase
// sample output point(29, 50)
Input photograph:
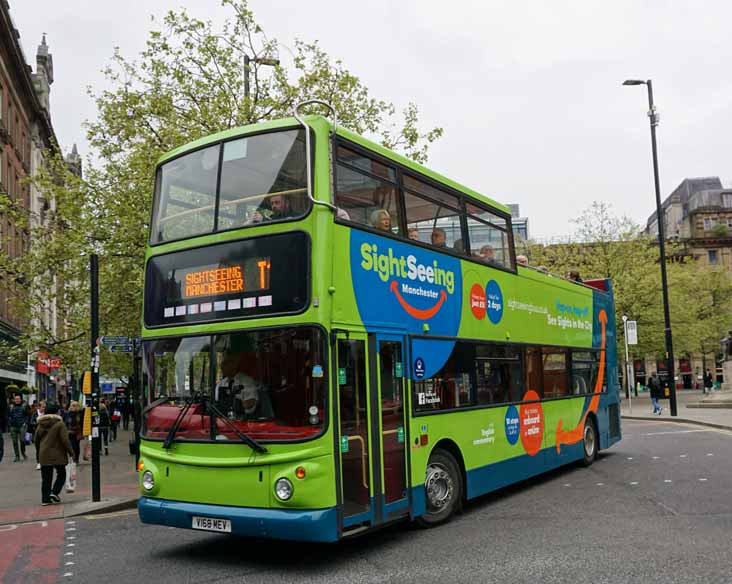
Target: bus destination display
point(227, 281)
point(212, 280)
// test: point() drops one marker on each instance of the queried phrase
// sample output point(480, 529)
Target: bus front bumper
point(297, 525)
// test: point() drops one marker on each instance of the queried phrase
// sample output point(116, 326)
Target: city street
point(654, 508)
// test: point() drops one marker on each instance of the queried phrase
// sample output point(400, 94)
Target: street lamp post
point(260, 61)
point(654, 118)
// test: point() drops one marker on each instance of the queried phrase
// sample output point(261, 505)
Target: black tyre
point(589, 442)
point(443, 487)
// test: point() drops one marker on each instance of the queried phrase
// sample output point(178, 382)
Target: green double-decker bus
point(336, 337)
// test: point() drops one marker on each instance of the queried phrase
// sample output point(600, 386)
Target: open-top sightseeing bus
point(336, 337)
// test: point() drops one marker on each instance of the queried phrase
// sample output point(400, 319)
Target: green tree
point(188, 82)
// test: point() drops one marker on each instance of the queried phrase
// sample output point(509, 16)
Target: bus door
point(354, 437)
point(391, 427)
point(372, 431)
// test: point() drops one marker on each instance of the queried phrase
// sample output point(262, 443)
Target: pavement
point(712, 410)
point(20, 485)
point(655, 509)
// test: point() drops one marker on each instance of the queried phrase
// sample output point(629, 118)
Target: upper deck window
point(262, 178)
point(366, 192)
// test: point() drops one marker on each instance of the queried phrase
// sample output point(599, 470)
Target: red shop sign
point(42, 362)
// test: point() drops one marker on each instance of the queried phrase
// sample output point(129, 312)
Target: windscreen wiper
point(249, 440)
point(176, 425)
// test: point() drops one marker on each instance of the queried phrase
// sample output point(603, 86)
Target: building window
point(708, 224)
point(712, 257)
point(727, 200)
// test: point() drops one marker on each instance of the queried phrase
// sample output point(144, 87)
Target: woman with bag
point(53, 446)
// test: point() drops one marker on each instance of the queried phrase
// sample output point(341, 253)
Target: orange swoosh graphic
point(575, 435)
point(421, 314)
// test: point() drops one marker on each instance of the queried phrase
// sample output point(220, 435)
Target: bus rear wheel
point(443, 485)
point(589, 442)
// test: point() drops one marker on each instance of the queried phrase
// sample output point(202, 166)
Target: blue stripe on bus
point(290, 524)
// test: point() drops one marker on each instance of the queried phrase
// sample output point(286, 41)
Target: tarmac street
point(654, 508)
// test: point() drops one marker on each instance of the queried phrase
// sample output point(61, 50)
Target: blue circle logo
point(494, 302)
point(512, 425)
point(419, 368)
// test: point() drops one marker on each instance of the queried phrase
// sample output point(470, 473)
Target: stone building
point(25, 134)
point(698, 216)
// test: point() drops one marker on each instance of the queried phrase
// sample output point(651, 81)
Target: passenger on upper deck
point(380, 219)
point(487, 254)
point(574, 276)
point(413, 233)
point(522, 260)
point(439, 237)
point(274, 208)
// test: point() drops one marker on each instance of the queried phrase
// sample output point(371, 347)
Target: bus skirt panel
point(297, 525)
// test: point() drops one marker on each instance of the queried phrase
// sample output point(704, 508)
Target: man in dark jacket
point(54, 448)
point(17, 420)
point(656, 393)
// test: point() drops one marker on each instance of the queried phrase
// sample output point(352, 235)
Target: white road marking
point(683, 455)
point(656, 457)
point(71, 523)
point(709, 454)
point(71, 529)
point(630, 458)
point(70, 545)
point(69, 554)
point(10, 527)
point(69, 564)
point(70, 537)
point(702, 480)
point(68, 574)
point(676, 432)
point(567, 485)
point(600, 484)
point(667, 480)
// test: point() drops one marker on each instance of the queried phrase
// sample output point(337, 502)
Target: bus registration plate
point(212, 524)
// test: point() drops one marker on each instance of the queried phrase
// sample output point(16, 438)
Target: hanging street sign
point(120, 349)
point(632, 329)
point(115, 340)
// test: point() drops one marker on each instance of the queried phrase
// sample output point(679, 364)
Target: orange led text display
point(213, 282)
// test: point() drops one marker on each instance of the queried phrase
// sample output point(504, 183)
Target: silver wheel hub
point(589, 441)
point(439, 487)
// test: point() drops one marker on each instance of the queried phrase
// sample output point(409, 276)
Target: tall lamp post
point(654, 118)
point(258, 60)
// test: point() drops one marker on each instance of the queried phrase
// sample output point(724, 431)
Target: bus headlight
point(283, 489)
point(148, 482)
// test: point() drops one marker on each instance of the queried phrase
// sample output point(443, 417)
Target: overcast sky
point(529, 92)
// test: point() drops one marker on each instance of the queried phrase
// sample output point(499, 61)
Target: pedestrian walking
point(708, 382)
point(104, 422)
point(18, 422)
point(654, 384)
point(126, 411)
point(54, 448)
point(115, 415)
point(75, 425)
point(37, 410)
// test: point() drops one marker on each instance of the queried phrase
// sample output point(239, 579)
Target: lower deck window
point(476, 374)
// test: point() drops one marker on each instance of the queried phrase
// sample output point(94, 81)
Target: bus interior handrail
point(299, 118)
point(232, 202)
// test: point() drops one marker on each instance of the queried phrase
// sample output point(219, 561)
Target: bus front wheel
point(443, 487)
point(589, 442)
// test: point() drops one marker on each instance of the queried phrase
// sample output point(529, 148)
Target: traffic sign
point(632, 329)
point(115, 340)
point(120, 349)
